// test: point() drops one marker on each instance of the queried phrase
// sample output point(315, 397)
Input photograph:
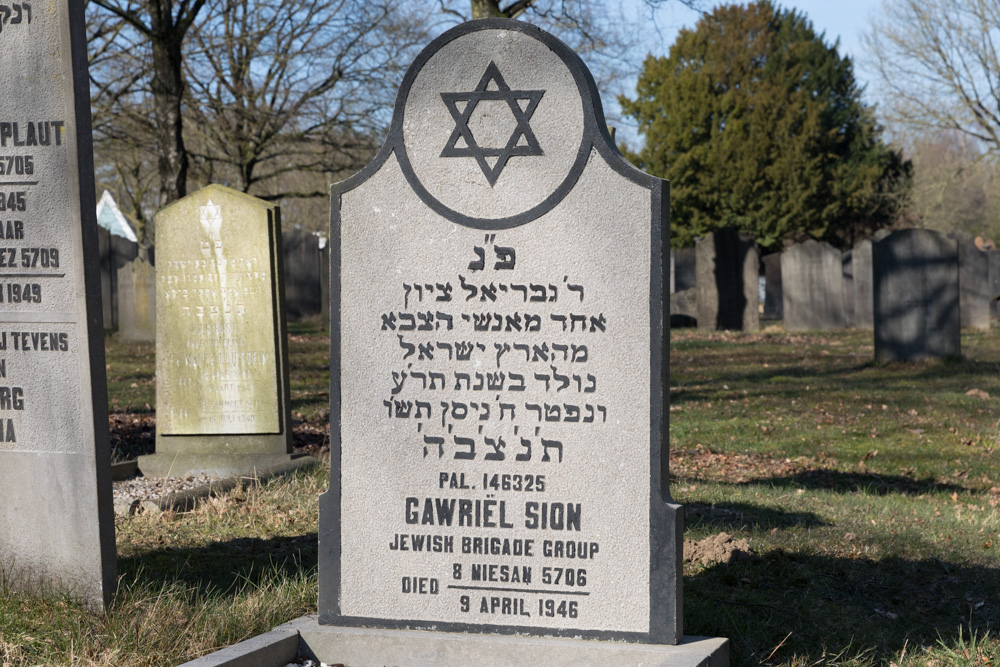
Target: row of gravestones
point(454, 252)
point(129, 292)
point(813, 286)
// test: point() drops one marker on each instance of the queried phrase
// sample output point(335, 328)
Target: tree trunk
point(483, 9)
point(168, 91)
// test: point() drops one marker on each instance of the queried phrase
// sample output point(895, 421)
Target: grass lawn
point(869, 495)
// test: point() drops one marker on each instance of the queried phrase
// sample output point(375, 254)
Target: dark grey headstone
point(915, 279)
point(973, 283)
point(812, 277)
point(56, 517)
point(683, 269)
point(498, 317)
point(726, 269)
point(772, 287)
point(303, 273)
point(864, 313)
point(115, 253)
point(847, 262)
point(137, 302)
point(993, 257)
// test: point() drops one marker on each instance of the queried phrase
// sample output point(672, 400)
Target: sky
point(843, 19)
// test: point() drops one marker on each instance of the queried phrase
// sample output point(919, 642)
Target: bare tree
point(938, 65)
point(156, 29)
point(954, 185)
point(279, 88)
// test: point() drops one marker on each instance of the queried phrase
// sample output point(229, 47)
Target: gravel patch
point(147, 488)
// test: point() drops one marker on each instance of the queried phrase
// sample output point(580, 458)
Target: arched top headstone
point(498, 291)
point(494, 123)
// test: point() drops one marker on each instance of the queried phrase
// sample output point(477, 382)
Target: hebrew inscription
point(216, 368)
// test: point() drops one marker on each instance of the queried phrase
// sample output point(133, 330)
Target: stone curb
point(183, 501)
point(362, 647)
point(273, 649)
point(123, 469)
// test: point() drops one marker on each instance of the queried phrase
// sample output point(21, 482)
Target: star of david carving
point(211, 218)
point(522, 142)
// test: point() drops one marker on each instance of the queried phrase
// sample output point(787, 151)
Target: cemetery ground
point(862, 502)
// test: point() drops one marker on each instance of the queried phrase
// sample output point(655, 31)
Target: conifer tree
point(759, 125)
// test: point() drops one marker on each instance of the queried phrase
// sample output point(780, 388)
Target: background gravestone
point(915, 279)
point(683, 269)
point(847, 262)
point(324, 273)
point(684, 309)
point(861, 258)
point(56, 518)
point(115, 252)
point(726, 269)
point(222, 398)
point(812, 287)
point(303, 273)
point(973, 283)
point(137, 302)
point(993, 257)
point(772, 287)
point(498, 286)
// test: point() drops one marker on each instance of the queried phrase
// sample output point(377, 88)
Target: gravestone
point(861, 258)
point(56, 517)
point(137, 302)
point(222, 397)
point(973, 283)
point(115, 252)
point(303, 273)
point(684, 309)
point(847, 264)
point(726, 269)
point(772, 287)
point(993, 257)
point(683, 269)
point(324, 283)
point(498, 374)
point(812, 287)
point(916, 302)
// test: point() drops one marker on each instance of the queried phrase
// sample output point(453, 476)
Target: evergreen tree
point(759, 125)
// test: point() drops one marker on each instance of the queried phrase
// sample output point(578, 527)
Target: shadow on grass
point(743, 516)
point(224, 567)
point(852, 482)
point(784, 381)
point(826, 604)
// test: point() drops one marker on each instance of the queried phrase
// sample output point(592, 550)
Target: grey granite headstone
point(684, 309)
point(915, 281)
point(973, 283)
point(864, 313)
point(772, 287)
point(303, 273)
point(56, 516)
point(137, 302)
point(222, 396)
point(683, 269)
point(812, 287)
point(115, 252)
point(993, 256)
point(498, 369)
point(726, 269)
point(847, 262)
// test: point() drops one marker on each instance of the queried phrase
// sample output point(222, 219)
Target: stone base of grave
point(360, 647)
point(223, 465)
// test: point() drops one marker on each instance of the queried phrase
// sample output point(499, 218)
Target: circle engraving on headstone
point(484, 126)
